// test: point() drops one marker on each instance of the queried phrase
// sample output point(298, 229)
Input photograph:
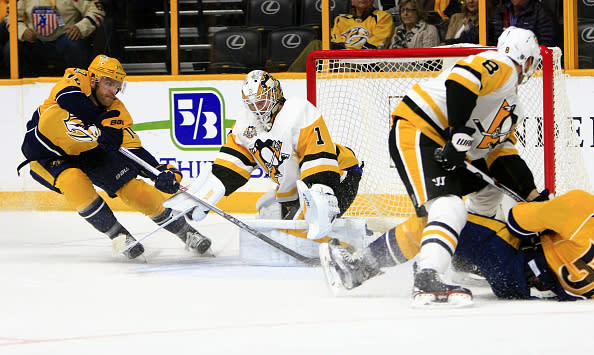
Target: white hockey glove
point(321, 208)
point(268, 207)
point(206, 187)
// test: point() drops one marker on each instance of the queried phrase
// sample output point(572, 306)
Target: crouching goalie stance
point(72, 143)
point(545, 250)
point(288, 139)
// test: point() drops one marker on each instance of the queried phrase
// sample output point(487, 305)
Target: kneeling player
point(72, 143)
point(288, 139)
point(546, 246)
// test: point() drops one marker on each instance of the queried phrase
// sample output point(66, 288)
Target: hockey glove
point(104, 118)
point(452, 155)
point(321, 208)
point(110, 139)
point(168, 180)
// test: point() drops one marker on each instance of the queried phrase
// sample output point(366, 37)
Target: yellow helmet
point(106, 66)
point(262, 94)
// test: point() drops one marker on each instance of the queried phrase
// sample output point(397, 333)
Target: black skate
point(122, 241)
point(345, 269)
point(196, 241)
point(429, 290)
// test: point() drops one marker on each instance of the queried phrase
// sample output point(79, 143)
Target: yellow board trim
point(366, 205)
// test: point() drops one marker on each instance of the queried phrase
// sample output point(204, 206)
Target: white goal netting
point(356, 92)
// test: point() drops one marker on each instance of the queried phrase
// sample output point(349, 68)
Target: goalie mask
point(262, 94)
point(108, 67)
point(520, 44)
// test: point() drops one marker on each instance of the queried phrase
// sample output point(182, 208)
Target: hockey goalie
point(288, 139)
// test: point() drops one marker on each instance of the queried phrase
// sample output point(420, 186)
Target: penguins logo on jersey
point(356, 36)
point(502, 126)
point(78, 131)
point(270, 157)
point(250, 132)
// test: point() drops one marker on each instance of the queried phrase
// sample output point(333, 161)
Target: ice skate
point(196, 241)
point(429, 291)
point(345, 269)
point(122, 241)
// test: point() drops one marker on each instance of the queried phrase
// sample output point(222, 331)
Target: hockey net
point(356, 91)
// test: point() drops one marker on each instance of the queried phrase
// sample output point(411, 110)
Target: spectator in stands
point(54, 33)
point(463, 26)
point(413, 31)
point(364, 28)
point(3, 35)
point(528, 14)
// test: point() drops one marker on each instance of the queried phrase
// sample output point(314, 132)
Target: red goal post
point(356, 91)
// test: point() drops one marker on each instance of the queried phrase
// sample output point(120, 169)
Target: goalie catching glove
point(206, 187)
point(321, 208)
point(452, 155)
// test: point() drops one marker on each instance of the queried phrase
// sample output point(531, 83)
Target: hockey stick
point(230, 218)
point(489, 180)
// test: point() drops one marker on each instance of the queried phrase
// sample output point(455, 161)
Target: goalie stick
point(230, 218)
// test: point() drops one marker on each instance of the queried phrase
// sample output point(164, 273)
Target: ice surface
point(62, 292)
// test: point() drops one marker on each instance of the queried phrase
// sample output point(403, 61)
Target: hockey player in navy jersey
point(545, 250)
point(72, 143)
point(288, 139)
point(469, 112)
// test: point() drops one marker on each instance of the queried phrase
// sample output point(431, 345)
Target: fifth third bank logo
point(197, 118)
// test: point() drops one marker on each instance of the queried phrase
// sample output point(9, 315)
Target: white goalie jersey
point(490, 75)
point(297, 147)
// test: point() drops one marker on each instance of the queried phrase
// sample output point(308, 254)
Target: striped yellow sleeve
point(316, 150)
point(236, 157)
point(563, 214)
point(481, 75)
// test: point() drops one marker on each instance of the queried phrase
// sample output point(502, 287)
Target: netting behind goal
point(356, 91)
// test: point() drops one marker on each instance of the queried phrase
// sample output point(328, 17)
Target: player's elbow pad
point(516, 230)
point(77, 103)
point(513, 172)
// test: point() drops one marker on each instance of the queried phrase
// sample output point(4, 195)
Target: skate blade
point(451, 300)
point(332, 277)
point(206, 254)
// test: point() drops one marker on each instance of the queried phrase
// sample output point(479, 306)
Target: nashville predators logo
point(250, 132)
point(78, 131)
point(270, 157)
point(502, 126)
point(356, 36)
